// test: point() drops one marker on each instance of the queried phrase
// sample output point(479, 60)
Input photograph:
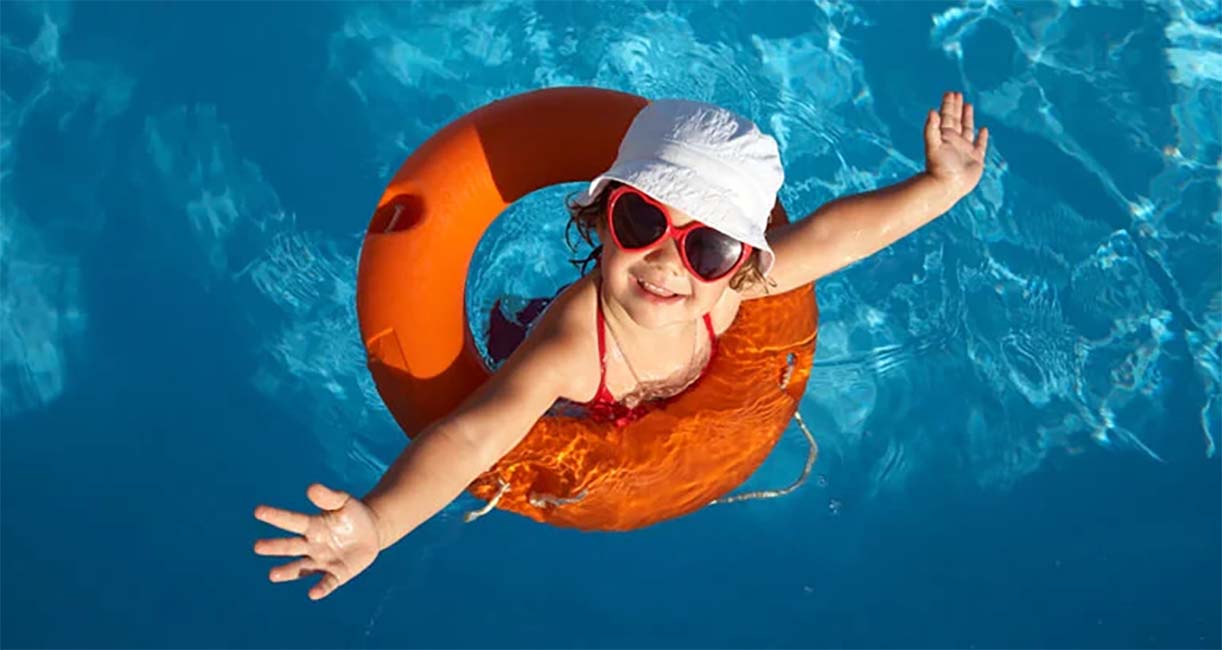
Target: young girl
point(681, 215)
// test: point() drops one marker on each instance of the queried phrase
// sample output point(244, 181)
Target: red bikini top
point(603, 406)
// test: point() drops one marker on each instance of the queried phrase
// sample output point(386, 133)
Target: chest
point(633, 376)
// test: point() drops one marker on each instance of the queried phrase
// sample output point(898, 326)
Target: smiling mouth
point(655, 290)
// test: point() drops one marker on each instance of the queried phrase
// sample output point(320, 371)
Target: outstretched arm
point(448, 456)
point(346, 535)
point(854, 227)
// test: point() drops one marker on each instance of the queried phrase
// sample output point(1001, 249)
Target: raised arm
point(854, 227)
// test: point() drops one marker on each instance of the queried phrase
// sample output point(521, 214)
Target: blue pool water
point(1017, 408)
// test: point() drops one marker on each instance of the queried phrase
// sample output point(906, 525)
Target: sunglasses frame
point(679, 234)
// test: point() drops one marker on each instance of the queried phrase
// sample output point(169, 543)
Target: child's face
point(628, 274)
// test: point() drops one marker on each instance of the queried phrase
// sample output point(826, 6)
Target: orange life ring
point(567, 471)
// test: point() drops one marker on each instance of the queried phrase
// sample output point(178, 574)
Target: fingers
point(933, 132)
point(982, 144)
point(952, 106)
point(326, 498)
point(323, 588)
point(294, 522)
point(959, 118)
point(298, 569)
point(948, 104)
point(284, 546)
point(293, 570)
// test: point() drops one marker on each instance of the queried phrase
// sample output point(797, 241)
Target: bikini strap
point(602, 346)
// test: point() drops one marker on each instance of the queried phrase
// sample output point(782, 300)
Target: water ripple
point(1051, 314)
point(297, 288)
point(43, 317)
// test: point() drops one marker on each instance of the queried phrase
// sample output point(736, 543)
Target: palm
point(339, 542)
point(954, 152)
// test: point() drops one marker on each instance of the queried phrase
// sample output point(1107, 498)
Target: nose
point(666, 255)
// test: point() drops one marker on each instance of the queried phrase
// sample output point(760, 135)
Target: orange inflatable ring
point(567, 471)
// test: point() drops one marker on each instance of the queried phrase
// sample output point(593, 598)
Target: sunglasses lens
point(711, 253)
point(636, 222)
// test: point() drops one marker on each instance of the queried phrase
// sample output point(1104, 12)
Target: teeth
point(656, 290)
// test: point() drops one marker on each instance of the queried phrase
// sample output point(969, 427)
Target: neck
point(650, 341)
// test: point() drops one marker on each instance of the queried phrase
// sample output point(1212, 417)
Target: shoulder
point(540, 371)
point(566, 340)
point(795, 266)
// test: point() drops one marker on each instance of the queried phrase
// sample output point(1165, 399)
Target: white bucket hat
point(712, 164)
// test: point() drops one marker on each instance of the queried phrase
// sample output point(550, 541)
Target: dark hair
point(586, 218)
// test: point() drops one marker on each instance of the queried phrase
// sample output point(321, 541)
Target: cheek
point(615, 265)
point(612, 258)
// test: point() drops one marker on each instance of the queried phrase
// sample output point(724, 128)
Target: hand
point(339, 542)
point(954, 153)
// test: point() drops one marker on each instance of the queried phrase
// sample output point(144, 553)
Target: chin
point(654, 317)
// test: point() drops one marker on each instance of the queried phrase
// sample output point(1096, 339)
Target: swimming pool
point(1017, 407)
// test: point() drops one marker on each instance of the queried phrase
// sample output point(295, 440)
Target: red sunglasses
point(636, 221)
